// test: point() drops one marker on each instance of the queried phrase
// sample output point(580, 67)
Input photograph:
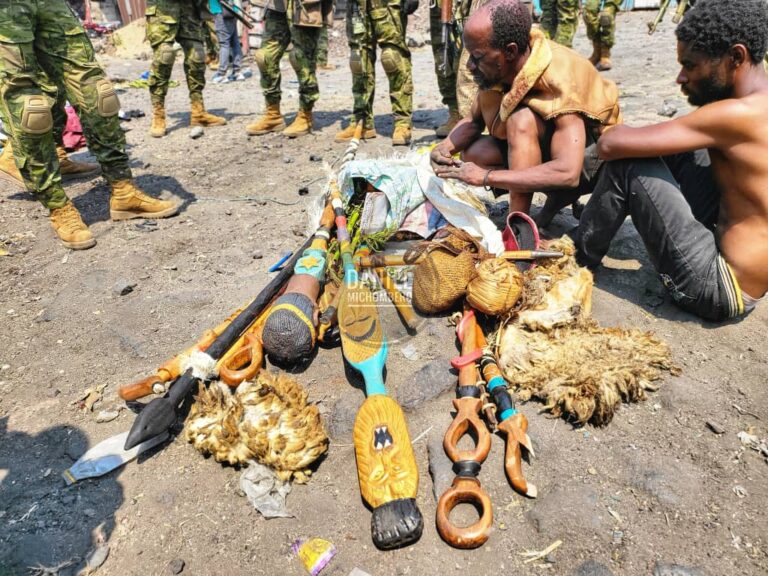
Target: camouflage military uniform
point(446, 79)
point(600, 19)
point(211, 41)
point(45, 35)
point(279, 32)
point(371, 23)
point(170, 21)
point(466, 89)
point(322, 47)
point(559, 20)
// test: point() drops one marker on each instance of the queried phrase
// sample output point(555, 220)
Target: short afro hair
point(712, 27)
point(510, 22)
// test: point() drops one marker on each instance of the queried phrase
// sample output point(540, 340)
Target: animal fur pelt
point(584, 371)
point(553, 350)
point(267, 420)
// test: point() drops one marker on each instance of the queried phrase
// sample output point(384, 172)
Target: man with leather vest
point(43, 46)
point(181, 21)
point(372, 23)
point(543, 105)
point(299, 22)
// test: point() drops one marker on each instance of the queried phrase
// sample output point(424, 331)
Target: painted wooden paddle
point(386, 465)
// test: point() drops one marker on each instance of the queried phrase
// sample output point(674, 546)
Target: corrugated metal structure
point(130, 10)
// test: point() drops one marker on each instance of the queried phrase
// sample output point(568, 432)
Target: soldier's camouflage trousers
point(601, 23)
point(322, 47)
point(446, 78)
point(43, 46)
point(559, 19)
point(170, 21)
point(211, 40)
point(279, 32)
point(379, 23)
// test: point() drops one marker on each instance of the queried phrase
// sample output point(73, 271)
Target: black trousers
point(673, 202)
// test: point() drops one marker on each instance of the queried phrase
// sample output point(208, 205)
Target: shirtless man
point(701, 209)
point(543, 105)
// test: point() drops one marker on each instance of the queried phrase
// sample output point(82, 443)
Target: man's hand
point(439, 157)
point(468, 172)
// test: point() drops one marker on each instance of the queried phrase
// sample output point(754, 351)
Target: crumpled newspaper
point(265, 491)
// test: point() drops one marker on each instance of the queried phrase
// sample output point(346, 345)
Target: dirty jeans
point(673, 202)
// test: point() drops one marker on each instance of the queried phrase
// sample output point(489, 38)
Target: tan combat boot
point(128, 202)
point(301, 125)
point(70, 228)
point(401, 135)
point(71, 170)
point(200, 117)
point(270, 121)
point(158, 128)
point(605, 59)
point(349, 132)
point(8, 170)
point(453, 118)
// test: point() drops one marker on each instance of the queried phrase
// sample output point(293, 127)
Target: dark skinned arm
point(461, 137)
point(711, 126)
point(562, 171)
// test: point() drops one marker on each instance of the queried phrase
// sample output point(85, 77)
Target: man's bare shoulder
point(733, 115)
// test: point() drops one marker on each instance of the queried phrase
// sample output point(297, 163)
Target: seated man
point(702, 208)
point(542, 104)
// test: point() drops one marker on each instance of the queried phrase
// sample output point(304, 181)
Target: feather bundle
point(267, 420)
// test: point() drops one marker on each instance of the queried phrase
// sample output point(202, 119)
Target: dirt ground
point(655, 492)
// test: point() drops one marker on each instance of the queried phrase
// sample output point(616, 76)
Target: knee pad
point(36, 116)
point(294, 60)
point(356, 62)
point(260, 60)
point(106, 98)
point(166, 54)
point(391, 60)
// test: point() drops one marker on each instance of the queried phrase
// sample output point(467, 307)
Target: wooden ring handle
point(464, 490)
point(467, 421)
point(250, 354)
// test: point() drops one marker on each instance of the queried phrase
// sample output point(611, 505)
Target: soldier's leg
point(548, 20)
point(67, 56)
point(389, 28)
point(591, 12)
point(211, 42)
point(304, 61)
point(322, 48)
point(608, 22)
point(567, 21)
point(162, 30)
point(274, 42)
point(25, 109)
point(190, 36)
point(362, 64)
point(446, 75)
point(70, 61)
